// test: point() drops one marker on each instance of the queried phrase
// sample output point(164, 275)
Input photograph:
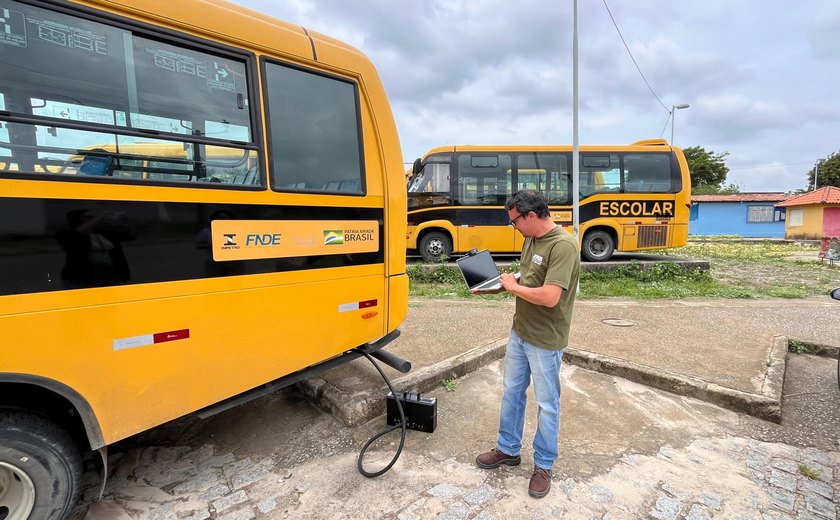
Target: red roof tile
point(824, 195)
point(742, 197)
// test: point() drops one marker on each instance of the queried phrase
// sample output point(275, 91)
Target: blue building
point(744, 214)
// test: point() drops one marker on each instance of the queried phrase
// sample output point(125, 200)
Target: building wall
point(812, 222)
point(730, 218)
point(831, 221)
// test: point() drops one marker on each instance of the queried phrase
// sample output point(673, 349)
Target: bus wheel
point(40, 468)
point(435, 246)
point(597, 246)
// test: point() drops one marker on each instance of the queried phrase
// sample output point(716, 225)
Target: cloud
point(760, 75)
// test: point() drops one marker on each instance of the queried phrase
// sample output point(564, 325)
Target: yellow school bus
point(198, 200)
point(632, 198)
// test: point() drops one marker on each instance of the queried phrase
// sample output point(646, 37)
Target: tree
point(707, 168)
point(829, 172)
point(729, 189)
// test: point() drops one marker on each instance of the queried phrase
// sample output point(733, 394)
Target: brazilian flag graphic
point(333, 237)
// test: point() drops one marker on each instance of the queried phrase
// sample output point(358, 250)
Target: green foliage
point(829, 172)
point(729, 189)
point(802, 347)
point(707, 167)
point(434, 273)
point(449, 384)
point(445, 281)
point(739, 269)
point(808, 472)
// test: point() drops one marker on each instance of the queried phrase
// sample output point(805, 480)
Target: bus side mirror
point(418, 165)
point(836, 294)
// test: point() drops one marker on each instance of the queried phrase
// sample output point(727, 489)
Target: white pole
point(816, 172)
point(673, 112)
point(674, 109)
point(575, 137)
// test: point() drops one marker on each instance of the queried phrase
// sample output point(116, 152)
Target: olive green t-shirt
point(553, 259)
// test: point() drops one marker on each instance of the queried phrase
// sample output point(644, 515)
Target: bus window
point(434, 178)
point(111, 84)
point(314, 126)
point(168, 161)
point(599, 174)
point(548, 173)
point(483, 179)
point(648, 173)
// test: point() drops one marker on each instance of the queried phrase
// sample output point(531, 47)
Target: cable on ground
point(401, 424)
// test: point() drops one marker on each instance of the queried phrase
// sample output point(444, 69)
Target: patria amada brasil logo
point(333, 237)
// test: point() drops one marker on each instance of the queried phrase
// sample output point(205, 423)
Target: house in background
point(813, 215)
point(744, 214)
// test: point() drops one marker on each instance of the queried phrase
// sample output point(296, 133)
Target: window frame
point(167, 36)
point(768, 214)
point(264, 60)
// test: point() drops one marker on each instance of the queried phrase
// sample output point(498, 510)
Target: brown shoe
point(495, 458)
point(540, 483)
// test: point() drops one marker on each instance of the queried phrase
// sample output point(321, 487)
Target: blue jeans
point(522, 360)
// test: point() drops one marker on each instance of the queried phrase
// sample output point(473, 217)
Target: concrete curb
point(766, 406)
point(360, 407)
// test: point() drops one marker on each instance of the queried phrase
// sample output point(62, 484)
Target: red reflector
point(172, 335)
point(367, 303)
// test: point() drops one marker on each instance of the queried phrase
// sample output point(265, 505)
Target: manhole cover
point(618, 322)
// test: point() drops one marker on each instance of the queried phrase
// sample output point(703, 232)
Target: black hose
point(401, 425)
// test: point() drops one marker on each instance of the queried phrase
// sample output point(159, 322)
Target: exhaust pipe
point(392, 360)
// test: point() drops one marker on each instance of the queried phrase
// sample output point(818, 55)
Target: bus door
point(482, 189)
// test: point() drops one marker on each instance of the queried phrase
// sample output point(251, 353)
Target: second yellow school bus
point(632, 197)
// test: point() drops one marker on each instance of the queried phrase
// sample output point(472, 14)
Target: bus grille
point(653, 236)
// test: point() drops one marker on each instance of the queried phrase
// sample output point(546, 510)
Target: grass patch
point(739, 269)
point(808, 472)
point(801, 347)
point(449, 384)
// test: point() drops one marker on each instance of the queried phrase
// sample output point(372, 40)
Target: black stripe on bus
point(498, 216)
point(146, 242)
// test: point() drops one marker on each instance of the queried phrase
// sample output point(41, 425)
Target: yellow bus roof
point(643, 145)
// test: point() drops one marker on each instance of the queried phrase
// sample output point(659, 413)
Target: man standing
point(545, 297)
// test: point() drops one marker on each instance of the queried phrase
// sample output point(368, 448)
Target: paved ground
point(627, 450)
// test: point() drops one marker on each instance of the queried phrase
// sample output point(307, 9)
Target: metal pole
point(816, 172)
point(575, 137)
point(673, 113)
point(674, 109)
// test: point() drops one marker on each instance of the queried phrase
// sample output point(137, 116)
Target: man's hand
point(509, 281)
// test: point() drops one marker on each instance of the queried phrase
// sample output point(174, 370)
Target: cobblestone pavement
point(282, 458)
point(714, 478)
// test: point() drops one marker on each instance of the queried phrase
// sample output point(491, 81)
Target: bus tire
point(40, 468)
point(435, 246)
point(597, 246)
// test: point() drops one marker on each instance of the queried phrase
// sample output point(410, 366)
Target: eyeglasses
point(513, 222)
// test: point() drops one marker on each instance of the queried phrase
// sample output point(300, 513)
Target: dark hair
point(526, 201)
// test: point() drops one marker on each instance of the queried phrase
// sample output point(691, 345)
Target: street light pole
point(674, 109)
point(817, 171)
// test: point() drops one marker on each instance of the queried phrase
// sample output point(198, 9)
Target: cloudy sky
point(762, 76)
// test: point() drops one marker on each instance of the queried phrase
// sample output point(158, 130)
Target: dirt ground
point(803, 267)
